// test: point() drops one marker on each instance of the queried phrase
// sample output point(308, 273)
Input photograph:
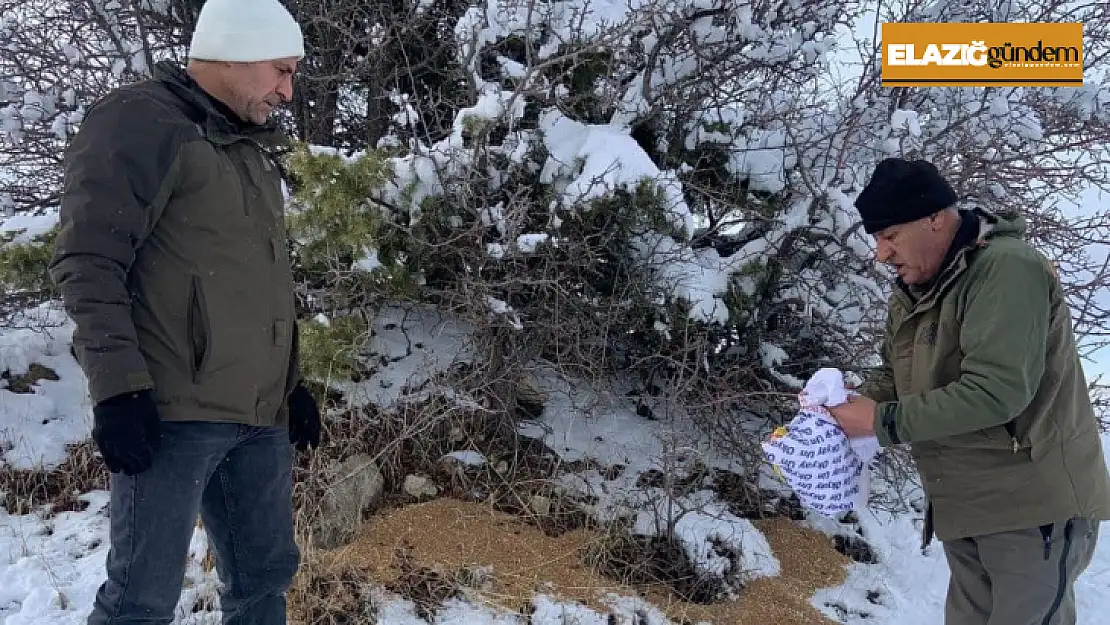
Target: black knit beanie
point(902, 191)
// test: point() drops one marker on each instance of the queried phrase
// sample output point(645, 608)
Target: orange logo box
point(987, 54)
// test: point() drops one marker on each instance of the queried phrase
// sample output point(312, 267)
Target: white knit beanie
point(245, 31)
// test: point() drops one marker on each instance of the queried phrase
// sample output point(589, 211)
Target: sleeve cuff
point(886, 425)
point(106, 386)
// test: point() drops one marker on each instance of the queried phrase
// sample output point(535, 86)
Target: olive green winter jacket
point(171, 255)
point(988, 350)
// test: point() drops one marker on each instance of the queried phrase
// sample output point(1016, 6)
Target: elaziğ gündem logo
point(982, 54)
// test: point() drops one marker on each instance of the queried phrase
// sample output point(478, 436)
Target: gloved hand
point(304, 419)
point(127, 431)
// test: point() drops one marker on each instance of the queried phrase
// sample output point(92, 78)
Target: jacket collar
point(214, 118)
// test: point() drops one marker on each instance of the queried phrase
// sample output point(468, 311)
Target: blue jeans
point(239, 479)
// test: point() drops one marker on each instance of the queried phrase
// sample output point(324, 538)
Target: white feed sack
point(814, 456)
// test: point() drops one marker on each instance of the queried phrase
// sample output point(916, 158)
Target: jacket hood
point(997, 224)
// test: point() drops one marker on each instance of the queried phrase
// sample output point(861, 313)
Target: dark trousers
point(239, 479)
point(1025, 577)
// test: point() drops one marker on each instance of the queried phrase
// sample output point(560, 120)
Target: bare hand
point(856, 417)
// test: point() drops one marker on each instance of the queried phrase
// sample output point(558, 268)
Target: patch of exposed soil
point(649, 560)
point(855, 548)
point(25, 383)
point(748, 501)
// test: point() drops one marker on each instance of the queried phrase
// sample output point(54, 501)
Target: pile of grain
point(448, 535)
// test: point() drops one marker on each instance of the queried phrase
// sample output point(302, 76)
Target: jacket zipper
point(1063, 581)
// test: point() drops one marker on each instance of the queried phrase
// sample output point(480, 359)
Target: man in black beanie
point(980, 375)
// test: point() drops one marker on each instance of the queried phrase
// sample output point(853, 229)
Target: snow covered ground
point(50, 567)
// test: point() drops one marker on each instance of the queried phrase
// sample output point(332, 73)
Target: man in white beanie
point(171, 259)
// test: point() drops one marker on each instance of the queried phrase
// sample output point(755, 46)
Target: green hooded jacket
point(171, 255)
point(982, 378)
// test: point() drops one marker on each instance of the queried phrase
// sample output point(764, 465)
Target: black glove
point(127, 430)
point(304, 418)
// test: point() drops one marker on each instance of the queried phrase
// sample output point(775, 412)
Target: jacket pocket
point(200, 335)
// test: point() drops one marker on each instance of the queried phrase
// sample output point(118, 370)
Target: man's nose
point(285, 88)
